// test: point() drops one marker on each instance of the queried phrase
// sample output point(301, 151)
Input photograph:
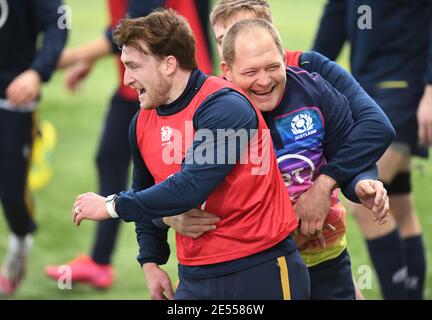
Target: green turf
point(79, 119)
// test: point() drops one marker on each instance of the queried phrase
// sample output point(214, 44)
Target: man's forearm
point(149, 267)
point(90, 51)
point(325, 183)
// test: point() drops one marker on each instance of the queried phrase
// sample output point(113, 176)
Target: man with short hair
point(369, 119)
point(309, 122)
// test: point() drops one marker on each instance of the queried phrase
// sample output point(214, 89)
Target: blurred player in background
point(113, 157)
point(391, 57)
point(22, 70)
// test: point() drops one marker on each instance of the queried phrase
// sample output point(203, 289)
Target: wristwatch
point(110, 205)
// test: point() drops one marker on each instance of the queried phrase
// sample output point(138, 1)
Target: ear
point(226, 70)
point(169, 65)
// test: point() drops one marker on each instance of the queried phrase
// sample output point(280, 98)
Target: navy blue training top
point(26, 19)
point(396, 48)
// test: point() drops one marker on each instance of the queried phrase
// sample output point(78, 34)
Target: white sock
point(18, 251)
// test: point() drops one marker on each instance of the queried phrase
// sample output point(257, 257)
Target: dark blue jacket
point(396, 48)
point(25, 21)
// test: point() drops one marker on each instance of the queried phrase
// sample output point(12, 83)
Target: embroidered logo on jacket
point(166, 133)
point(302, 125)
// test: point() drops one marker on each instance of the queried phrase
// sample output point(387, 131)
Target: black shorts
point(400, 105)
point(282, 278)
point(17, 132)
point(332, 279)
